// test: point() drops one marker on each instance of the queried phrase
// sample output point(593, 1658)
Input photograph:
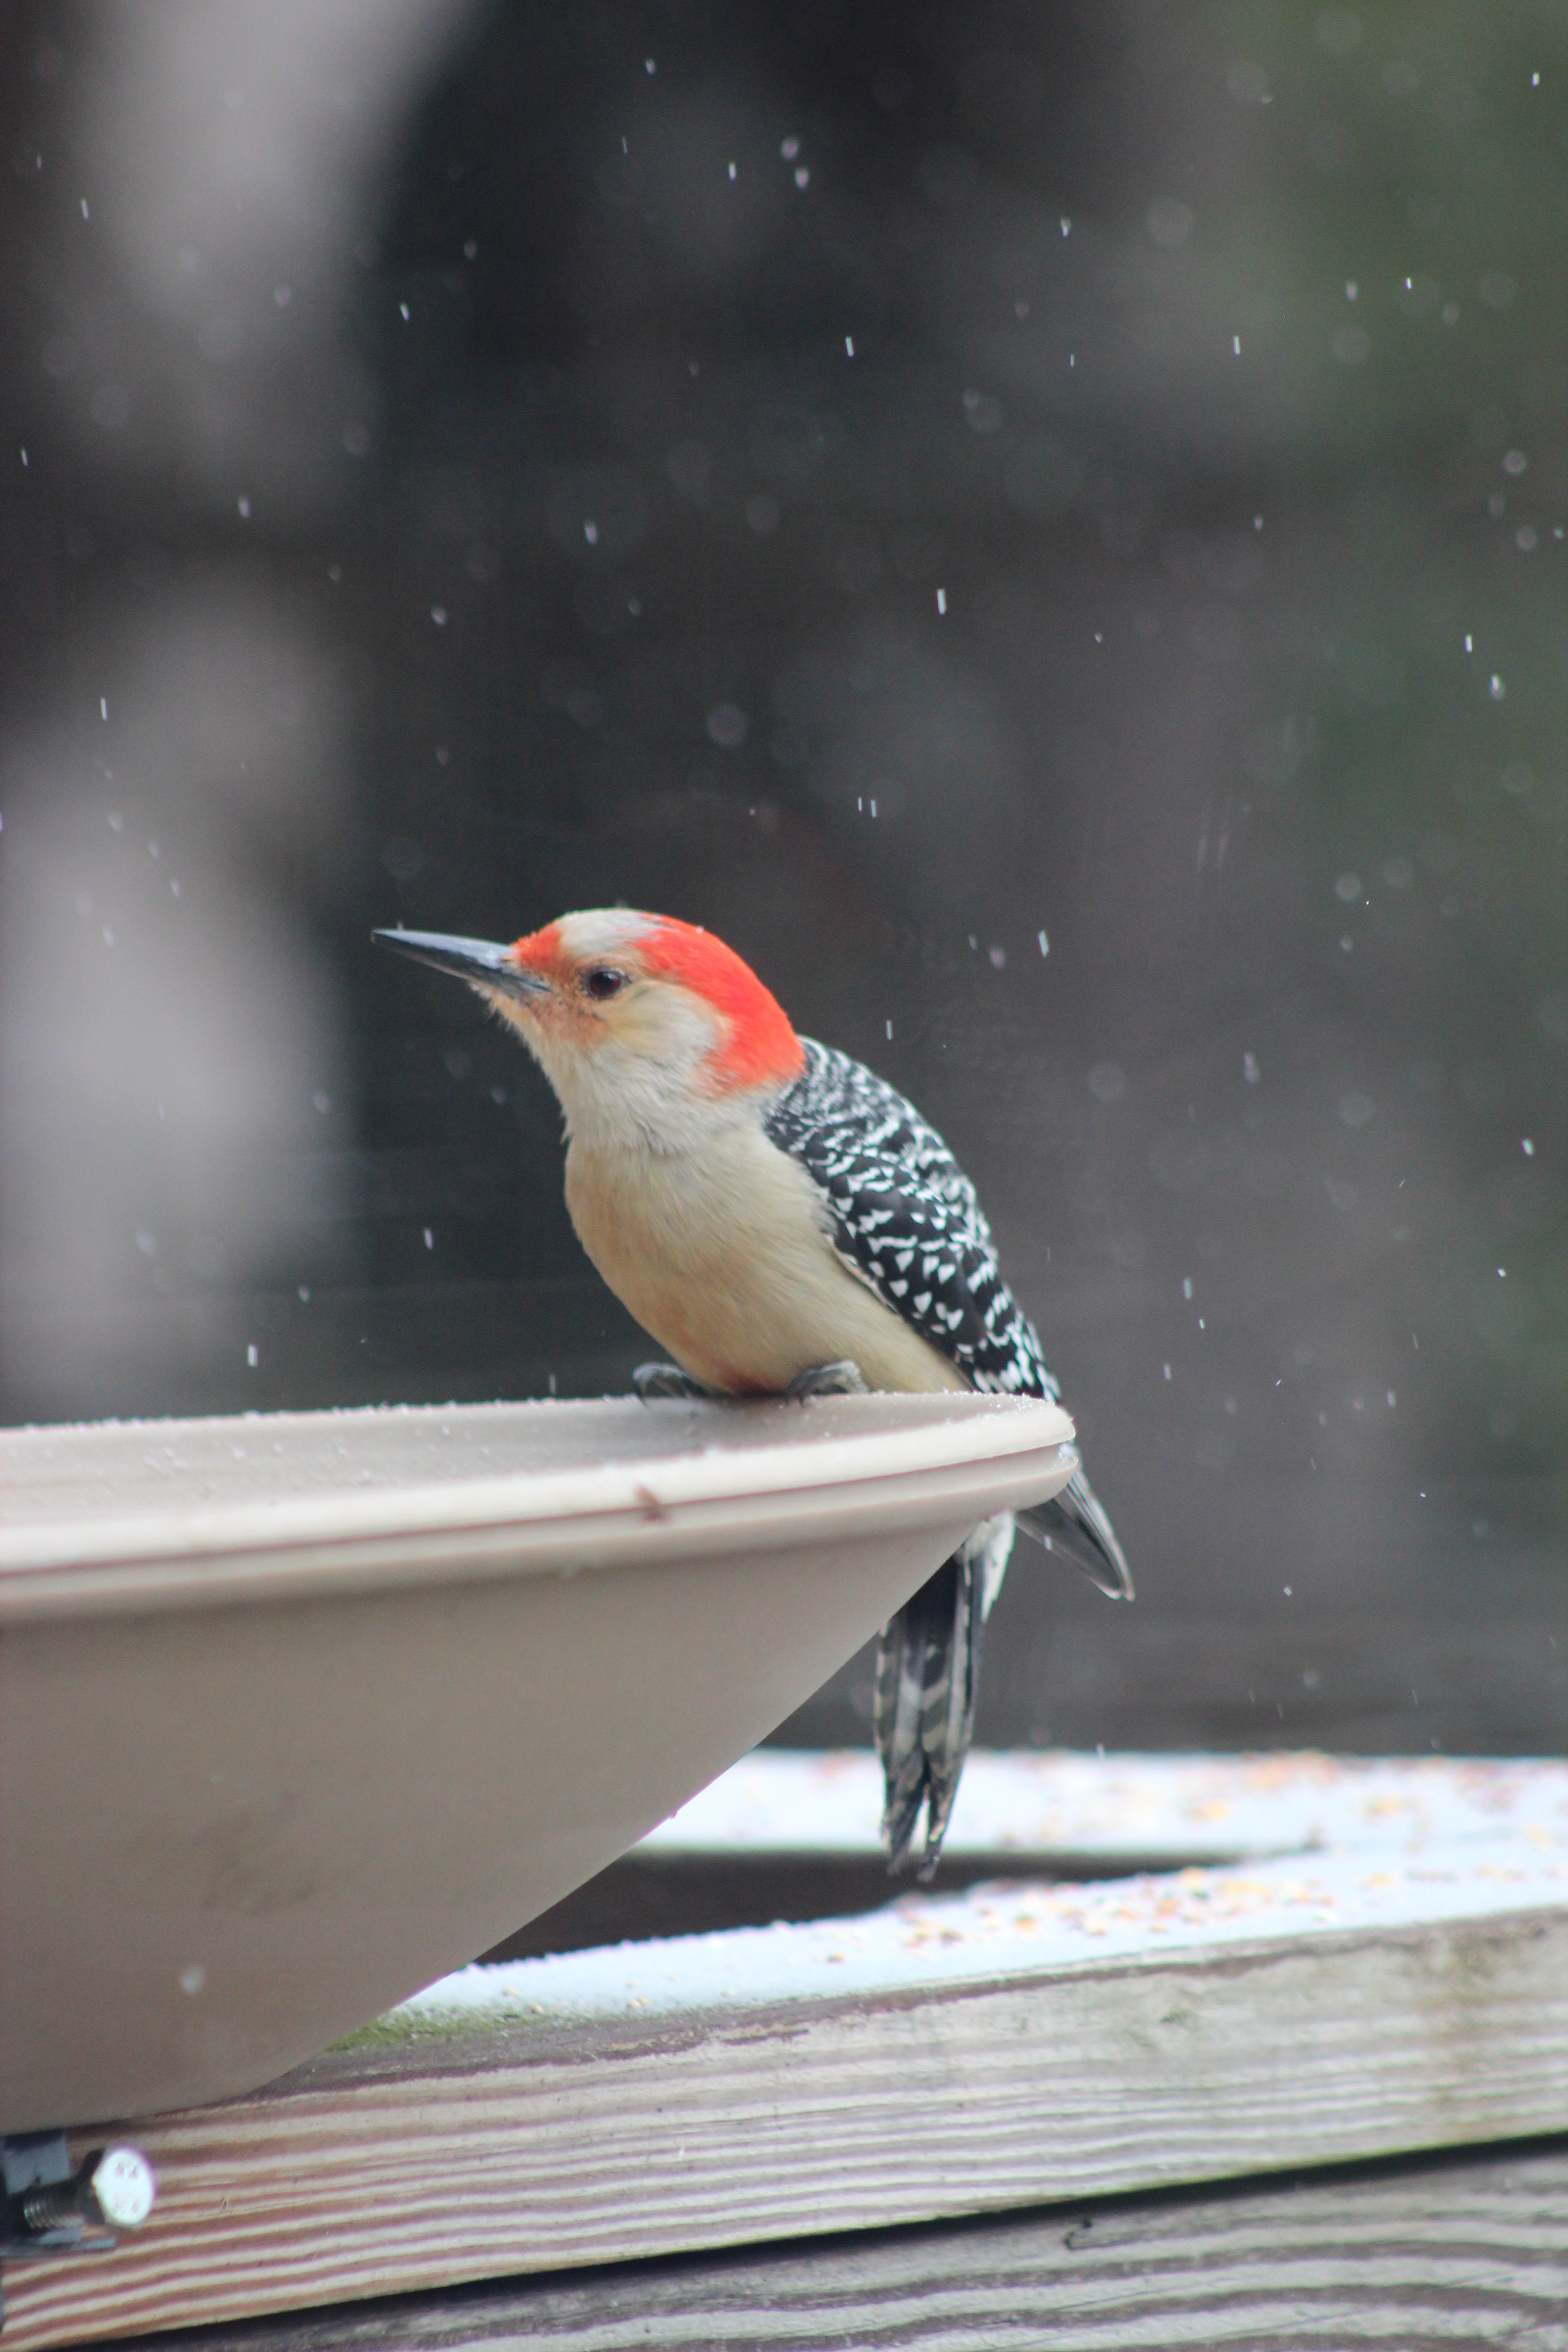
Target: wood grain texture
point(1413, 2259)
point(535, 2145)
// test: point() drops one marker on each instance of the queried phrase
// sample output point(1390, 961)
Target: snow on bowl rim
point(678, 1478)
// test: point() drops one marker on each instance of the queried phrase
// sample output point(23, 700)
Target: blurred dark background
point(912, 488)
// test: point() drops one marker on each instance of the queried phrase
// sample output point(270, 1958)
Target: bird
point(783, 1222)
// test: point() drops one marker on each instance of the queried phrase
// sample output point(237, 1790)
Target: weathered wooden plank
point(1421, 2258)
point(941, 2058)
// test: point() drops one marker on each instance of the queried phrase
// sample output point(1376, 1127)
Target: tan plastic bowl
point(300, 1712)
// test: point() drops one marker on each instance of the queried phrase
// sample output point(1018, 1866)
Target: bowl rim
point(916, 1457)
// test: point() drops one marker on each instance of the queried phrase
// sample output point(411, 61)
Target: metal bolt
point(115, 2188)
point(123, 2187)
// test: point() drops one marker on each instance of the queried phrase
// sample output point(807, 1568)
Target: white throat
point(650, 1095)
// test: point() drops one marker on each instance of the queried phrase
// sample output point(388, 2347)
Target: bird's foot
point(843, 1379)
point(651, 1380)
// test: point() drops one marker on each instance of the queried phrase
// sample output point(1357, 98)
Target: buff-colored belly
point(720, 1258)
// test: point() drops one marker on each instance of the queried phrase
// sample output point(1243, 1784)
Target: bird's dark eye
point(603, 981)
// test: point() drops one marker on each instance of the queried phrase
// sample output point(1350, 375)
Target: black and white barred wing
point(905, 1218)
point(1073, 1525)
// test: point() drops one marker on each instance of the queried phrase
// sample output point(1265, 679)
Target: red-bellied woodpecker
point(783, 1222)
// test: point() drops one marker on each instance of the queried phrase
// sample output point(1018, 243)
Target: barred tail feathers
point(927, 1671)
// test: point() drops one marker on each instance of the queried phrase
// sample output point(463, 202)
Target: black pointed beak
point(478, 960)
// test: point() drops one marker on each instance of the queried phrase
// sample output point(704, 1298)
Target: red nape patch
point(760, 1043)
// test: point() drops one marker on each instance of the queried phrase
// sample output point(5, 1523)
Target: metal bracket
point(46, 2209)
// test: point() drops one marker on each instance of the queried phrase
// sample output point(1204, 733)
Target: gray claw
point(651, 1380)
point(843, 1379)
